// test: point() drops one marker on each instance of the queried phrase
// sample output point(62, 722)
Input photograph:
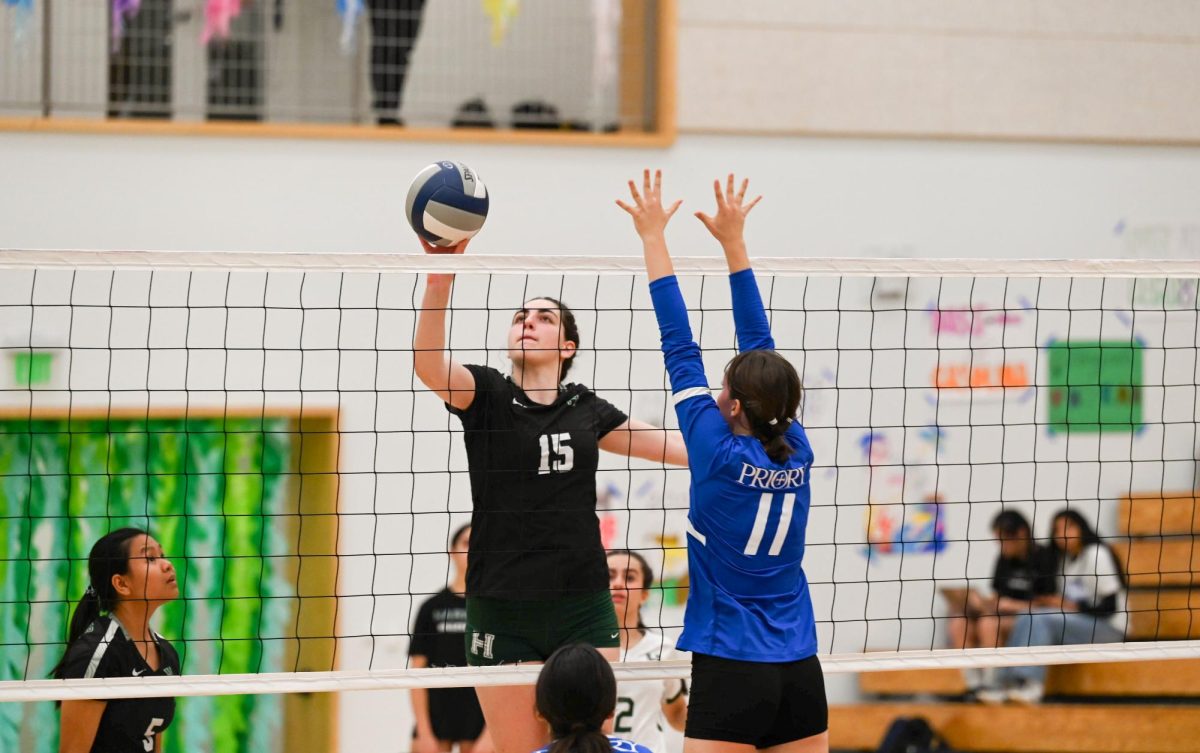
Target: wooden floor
point(1045, 728)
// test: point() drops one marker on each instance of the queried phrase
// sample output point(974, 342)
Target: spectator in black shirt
point(445, 716)
point(1024, 572)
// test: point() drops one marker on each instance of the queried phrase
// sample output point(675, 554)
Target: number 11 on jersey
point(765, 502)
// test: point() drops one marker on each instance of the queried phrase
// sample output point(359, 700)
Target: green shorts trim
point(500, 631)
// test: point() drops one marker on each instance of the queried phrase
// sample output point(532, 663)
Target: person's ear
point(121, 584)
point(735, 408)
point(567, 349)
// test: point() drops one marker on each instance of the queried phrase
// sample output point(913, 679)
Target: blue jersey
point(618, 745)
point(748, 597)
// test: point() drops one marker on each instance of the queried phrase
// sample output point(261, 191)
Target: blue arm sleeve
point(749, 315)
point(681, 353)
point(700, 420)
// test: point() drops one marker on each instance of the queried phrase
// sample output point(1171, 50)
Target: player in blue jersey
point(576, 694)
point(756, 680)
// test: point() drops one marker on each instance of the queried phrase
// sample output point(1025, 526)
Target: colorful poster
point(1094, 386)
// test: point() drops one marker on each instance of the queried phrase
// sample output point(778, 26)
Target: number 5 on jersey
point(557, 454)
point(765, 502)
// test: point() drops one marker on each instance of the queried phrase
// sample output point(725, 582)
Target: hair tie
point(579, 727)
point(89, 591)
point(773, 421)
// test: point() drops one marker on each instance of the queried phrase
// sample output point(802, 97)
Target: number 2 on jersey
point(557, 454)
point(765, 502)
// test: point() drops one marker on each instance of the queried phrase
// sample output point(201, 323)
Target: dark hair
point(1012, 523)
point(647, 574)
point(109, 557)
point(576, 691)
point(569, 328)
point(1087, 535)
point(769, 390)
point(457, 533)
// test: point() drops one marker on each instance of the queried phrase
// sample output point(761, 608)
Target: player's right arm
point(445, 377)
point(80, 721)
point(699, 419)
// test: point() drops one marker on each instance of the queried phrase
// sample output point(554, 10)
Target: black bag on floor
point(912, 734)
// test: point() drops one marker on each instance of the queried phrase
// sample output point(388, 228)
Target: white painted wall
point(823, 197)
point(1053, 69)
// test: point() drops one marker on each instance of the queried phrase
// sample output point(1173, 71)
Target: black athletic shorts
point(454, 714)
point(509, 632)
point(755, 703)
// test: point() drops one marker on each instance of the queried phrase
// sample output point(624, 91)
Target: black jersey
point(1023, 579)
point(129, 725)
point(438, 635)
point(534, 531)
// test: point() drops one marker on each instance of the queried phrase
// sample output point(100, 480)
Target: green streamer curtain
point(213, 491)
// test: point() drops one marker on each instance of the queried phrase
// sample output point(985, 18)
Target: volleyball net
point(259, 415)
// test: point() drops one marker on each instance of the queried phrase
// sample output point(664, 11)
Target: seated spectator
point(1091, 608)
point(576, 696)
point(1024, 571)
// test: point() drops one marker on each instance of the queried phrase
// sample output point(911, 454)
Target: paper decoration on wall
point(1095, 386)
point(502, 13)
point(906, 529)
point(349, 11)
point(123, 11)
point(218, 14)
point(24, 17)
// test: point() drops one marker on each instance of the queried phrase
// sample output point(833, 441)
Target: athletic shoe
point(993, 696)
point(1027, 692)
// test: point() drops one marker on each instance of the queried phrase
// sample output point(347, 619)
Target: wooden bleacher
point(1118, 707)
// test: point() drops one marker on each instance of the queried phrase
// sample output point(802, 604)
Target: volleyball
point(447, 203)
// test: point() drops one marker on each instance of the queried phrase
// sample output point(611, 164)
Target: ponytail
point(109, 557)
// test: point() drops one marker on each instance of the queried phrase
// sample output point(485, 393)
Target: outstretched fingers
point(719, 194)
point(751, 205)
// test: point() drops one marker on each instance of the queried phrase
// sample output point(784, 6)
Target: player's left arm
point(728, 228)
point(639, 439)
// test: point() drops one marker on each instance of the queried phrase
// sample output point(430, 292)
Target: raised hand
point(457, 248)
point(649, 218)
point(728, 223)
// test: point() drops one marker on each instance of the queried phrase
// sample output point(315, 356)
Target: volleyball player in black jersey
point(110, 636)
point(537, 577)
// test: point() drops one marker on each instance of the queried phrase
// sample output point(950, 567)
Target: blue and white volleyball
point(447, 203)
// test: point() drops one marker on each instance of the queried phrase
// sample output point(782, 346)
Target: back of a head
point(576, 692)
point(770, 391)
